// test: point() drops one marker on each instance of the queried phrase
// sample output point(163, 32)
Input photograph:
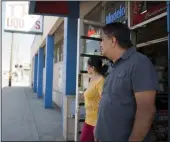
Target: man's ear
point(113, 39)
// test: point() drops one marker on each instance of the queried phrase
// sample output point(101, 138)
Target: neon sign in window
point(117, 14)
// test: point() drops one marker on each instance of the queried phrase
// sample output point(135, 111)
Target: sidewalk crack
point(37, 129)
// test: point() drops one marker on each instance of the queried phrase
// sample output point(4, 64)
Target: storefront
point(146, 19)
point(89, 39)
point(149, 23)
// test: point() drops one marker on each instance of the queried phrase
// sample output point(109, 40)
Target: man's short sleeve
point(144, 76)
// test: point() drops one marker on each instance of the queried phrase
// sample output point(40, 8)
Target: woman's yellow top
point(92, 97)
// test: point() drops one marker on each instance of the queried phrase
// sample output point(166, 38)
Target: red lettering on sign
point(15, 23)
point(37, 25)
point(153, 9)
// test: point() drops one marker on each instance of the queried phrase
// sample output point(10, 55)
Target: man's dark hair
point(121, 32)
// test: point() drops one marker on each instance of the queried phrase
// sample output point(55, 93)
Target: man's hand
point(145, 113)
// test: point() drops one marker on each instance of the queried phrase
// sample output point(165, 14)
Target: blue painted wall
point(70, 50)
point(70, 56)
point(40, 72)
point(49, 71)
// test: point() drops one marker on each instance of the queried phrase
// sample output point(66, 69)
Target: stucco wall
point(57, 85)
point(49, 22)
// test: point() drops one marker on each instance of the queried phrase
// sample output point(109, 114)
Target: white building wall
point(57, 84)
point(35, 45)
point(49, 22)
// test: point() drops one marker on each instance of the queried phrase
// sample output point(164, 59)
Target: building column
point(35, 72)
point(49, 71)
point(168, 30)
point(40, 72)
point(69, 70)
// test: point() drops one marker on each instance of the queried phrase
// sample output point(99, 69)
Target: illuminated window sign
point(94, 32)
point(116, 15)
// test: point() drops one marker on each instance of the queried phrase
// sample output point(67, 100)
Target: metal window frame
point(152, 42)
point(147, 21)
point(93, 23)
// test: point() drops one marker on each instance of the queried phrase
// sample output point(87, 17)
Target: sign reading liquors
point(115, 12)
point(17, 18)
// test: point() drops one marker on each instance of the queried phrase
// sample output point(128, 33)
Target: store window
point(152, 31)
point(92, 46)
point(92, 33)
point(58, 51)
point(144, 10)
point(159, 57)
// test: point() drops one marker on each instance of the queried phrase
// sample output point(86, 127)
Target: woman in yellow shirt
point(92, 97)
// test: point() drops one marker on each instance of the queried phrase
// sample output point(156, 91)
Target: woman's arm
point(100, 87)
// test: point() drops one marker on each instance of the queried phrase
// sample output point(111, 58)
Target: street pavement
point(25, 119)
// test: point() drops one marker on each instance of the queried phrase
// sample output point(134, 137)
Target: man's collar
point(128, 53)
point(125, 55)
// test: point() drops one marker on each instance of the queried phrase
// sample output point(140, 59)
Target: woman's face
point(90, 69)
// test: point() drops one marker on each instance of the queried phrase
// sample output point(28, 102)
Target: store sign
point(17, 19)
point(115, 11)
point(117, 14)
point(144, 10)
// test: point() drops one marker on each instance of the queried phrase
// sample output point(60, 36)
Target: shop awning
point(54, 8)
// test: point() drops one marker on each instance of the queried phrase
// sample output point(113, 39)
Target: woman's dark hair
point(121, 32)
point(97, 63)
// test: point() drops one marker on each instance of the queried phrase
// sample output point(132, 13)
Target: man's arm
point(144, 84)
point(144, 115)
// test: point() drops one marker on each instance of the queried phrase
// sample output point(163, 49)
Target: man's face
point(107, 45)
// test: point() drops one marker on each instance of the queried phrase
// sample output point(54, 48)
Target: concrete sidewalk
point(25, 119)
